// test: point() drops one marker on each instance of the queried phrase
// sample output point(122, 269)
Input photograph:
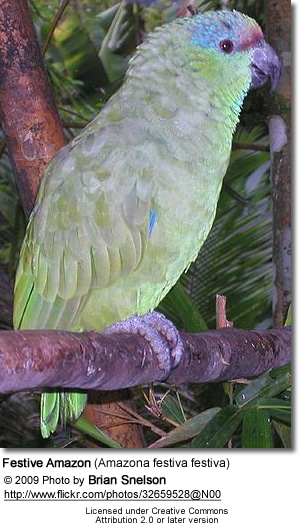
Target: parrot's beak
point(265, 65)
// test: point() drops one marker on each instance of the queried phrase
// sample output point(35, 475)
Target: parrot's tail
point(63, 406)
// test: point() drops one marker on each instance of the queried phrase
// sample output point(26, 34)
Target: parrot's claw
point(170, 333)
point(160, 333)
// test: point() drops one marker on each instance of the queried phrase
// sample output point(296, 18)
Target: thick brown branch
point(28, 113)
point(89, 360)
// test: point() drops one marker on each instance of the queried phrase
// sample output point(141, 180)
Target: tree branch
point(28, 113)
point(278, 29)
point(90, 360)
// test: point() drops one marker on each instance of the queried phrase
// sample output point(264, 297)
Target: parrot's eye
point(226, 46)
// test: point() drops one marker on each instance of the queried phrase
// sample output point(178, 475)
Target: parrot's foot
point(161, 334)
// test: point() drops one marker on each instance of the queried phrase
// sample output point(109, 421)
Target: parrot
point(124, 208)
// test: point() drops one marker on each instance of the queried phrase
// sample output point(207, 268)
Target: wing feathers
point(68, 277)
point(89, 228)
point(100, 263)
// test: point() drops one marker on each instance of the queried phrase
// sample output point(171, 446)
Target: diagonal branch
point(90, 360)
point(28, 113)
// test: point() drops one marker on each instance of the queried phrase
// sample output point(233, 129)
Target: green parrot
point(125, 207)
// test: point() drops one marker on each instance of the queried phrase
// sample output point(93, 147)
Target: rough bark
point(278, 32)
point(28, 113)
point(89, 360)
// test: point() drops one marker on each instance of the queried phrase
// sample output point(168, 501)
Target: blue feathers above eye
point(218, 30)
point(151, 223)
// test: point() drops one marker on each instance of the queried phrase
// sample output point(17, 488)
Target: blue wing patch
point(152, 221)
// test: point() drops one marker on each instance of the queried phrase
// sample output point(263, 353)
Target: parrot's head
point(237, 42)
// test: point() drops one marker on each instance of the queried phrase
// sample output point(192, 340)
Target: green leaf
point(265, 385)
point(284, 432)
point(220, 429)
point(277, 408)
point(118, 43)
point(281, 371)
point(90, 429)
point(288, 321)
point(181, 309)
point(74, 48)
point(252, 391)
point(256, 429)
point(172, 410)
point(187, 430)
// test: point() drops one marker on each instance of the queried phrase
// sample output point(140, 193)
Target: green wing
point(89, 229)
point(84, 234)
